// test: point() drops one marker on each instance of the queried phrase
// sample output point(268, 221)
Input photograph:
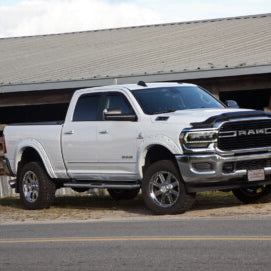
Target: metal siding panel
point(157, 49)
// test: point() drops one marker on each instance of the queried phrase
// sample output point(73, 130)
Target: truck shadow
point(204, 201)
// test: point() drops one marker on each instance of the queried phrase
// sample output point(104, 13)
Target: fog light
point(228, 167)
point(203, 166)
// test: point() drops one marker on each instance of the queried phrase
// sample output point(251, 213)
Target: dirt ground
point(81, 208)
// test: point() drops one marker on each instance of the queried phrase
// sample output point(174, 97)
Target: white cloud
point(184, 10)
point(34, 17)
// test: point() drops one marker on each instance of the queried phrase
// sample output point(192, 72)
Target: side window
point(87, 108)
point(117, 101)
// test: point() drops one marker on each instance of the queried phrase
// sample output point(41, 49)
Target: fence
point(5, 189)
point(1, 149)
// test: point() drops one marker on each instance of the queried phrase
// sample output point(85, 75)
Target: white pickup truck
point(169, 139)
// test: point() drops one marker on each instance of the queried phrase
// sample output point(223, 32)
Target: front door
point(118, 139)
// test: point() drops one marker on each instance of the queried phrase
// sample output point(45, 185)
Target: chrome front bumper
point(210, 168)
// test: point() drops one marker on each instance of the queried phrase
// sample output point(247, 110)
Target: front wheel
point(37, 191)
point(163, 189)
point(258, 194)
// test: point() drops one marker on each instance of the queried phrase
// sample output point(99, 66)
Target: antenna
point(142, 83)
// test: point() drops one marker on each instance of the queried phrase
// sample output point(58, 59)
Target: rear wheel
point(163, 189)
point(37, 191)
point(258, 194)
point(123, 194)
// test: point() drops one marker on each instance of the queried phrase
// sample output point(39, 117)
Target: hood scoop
point(210, 122)
point(162, 118)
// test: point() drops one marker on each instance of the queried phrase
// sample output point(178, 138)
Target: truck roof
point(138, 86)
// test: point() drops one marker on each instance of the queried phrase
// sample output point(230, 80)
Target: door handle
point(71, 132)
point(103, 132)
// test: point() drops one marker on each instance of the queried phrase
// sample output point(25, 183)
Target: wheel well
point(156, 153)
point(29, 155)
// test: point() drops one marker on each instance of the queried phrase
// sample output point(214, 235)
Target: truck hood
point(185, 117)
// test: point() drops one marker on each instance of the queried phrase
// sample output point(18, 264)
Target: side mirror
point(116, 115)
point(232, 104)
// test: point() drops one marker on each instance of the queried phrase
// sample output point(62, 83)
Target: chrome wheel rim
point(30, 186)
point(164, 189)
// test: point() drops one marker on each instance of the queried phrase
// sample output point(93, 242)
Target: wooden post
point(2, 126)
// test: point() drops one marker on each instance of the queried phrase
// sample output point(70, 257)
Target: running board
point(102, 185)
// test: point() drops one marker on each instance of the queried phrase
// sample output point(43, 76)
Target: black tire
point(123, 194)
point(163, 189)
point(258, 194)
point(37, 191)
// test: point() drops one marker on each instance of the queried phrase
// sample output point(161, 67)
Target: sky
point(39, 17)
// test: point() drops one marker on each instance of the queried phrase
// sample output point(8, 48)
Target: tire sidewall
point(246, 197)
point(46, 189)
point(183, 201)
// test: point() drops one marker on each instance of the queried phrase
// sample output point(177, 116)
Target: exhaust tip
point(12, 183)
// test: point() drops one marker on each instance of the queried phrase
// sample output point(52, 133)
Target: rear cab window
point(87, 108)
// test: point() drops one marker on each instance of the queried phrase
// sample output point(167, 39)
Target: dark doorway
point(254, 99)
point(33, 113)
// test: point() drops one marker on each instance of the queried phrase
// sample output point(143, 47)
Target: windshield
point(170, 99)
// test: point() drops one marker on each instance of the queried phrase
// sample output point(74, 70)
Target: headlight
point(200, 139)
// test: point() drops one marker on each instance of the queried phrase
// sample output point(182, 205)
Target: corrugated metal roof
point(208, 45)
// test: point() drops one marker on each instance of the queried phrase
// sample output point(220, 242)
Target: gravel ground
point(81, 208)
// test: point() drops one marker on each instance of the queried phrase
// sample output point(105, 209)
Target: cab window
point(118, 102)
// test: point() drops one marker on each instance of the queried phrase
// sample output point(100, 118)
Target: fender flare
point(34, 144)
point(147, 143)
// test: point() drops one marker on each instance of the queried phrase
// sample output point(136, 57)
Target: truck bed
point(42, 136)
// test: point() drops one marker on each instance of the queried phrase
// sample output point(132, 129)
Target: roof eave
point(157, 77)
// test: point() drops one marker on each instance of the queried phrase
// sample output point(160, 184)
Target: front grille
point(240, 141)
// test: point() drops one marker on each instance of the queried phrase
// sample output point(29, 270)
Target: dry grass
point(89, 208)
